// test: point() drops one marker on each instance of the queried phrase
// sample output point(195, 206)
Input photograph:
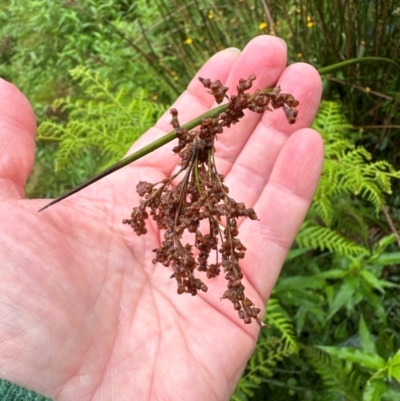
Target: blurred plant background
point(100, 72)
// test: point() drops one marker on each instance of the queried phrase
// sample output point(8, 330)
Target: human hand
point(85, 315)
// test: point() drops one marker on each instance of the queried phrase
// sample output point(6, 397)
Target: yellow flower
point(188, 41)
point(211, 14)
point(367, 89)
point(310, 22)
point(262, 26)
point(299, 55)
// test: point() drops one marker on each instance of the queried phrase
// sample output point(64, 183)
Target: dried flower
point(202, 195)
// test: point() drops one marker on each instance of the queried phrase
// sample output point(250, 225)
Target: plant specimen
point(200, 203)
point(202, 196)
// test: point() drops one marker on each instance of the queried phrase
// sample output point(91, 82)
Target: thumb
point(17, 141)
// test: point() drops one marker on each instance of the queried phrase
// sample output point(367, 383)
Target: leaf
point(295, 253)
point(106, 121)
point(367, 341)
point(369, 360)
point(276, 318)
point(388, 258)
point(338, 377)
point(374, 300)
point(384, 243)
point(331, 274)
point(298, 282)
point(239, 395)
point(343, 296)
point(317, 237)
point(391, 394)
point(374, 390)
point(394, 366)
point(375, 282)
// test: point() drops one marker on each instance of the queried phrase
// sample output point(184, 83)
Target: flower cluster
point(200, 203)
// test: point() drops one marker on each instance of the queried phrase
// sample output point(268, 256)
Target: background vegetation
point(99, 72)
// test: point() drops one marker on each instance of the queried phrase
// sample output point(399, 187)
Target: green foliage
point(191, 34)
point(360, 373)
point(277, 319)
point(270, 349)
point(317, 237)
point(337, 375)
point(348, 168)
point(323, 32)
point(88, 133)
point(348, 173)
point(42, 40)
point(104, 121)
point(326, 304)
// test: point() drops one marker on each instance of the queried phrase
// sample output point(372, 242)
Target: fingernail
point(282, 41)
point(234, 49)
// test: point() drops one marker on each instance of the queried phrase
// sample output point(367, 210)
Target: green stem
point(139, 153)
point(334, 67)
point(189, 126)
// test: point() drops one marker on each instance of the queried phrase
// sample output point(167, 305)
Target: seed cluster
point(200, 203)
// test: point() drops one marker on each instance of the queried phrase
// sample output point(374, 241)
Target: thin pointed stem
point(334, 67)
point(189, 126)
point(139, 154)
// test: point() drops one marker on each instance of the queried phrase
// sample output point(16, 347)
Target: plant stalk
point(189, 126)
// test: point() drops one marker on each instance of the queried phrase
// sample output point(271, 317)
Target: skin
point(84, 314)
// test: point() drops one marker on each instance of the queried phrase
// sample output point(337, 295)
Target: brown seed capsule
point(199, 204)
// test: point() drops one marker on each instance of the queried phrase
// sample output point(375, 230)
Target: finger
point(304, 83)
point(266, 57)
point(17, 141)
point(281, 209)
point(251, 170)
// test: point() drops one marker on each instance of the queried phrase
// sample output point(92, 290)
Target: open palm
point(85, 315)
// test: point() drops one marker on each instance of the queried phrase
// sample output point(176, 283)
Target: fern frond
point(330, 121)
point(317, 237)
point(348, 170)
point(322, 206)
point(278, 320)
point(107, 120)
point(334, 149)
point(338, 377)
point(268, 352)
